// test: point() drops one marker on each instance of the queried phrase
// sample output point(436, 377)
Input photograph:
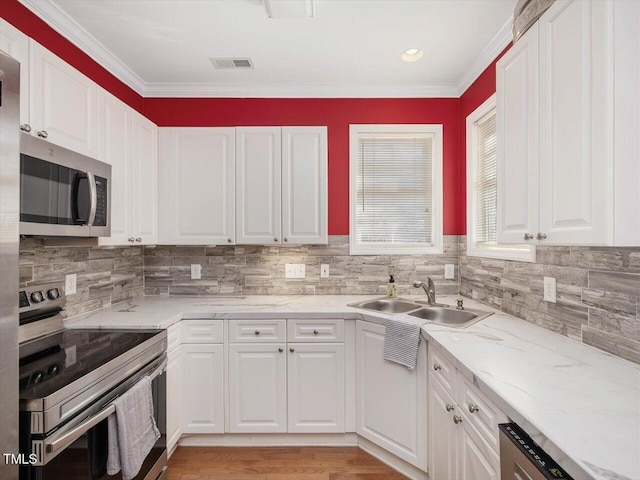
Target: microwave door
point(39, 191)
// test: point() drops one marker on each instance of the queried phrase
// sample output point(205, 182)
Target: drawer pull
point(450, 407)
point(436, 366)
point(281, 349)
point(457, 419)
point(473, 408)
point(315, 332)
point(292, 350)
point(257, 332)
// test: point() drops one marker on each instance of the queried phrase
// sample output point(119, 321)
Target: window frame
point(437, 243)
point(523, 253)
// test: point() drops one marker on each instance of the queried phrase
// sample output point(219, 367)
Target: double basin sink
point(437, 313)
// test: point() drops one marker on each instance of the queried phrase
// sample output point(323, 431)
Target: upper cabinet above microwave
point(569, 129)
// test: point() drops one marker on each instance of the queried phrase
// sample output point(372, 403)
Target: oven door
point(78, 450)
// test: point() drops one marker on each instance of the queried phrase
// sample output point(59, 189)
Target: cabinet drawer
point(480, 411)
point(257, 331)
point(316, 330)
point(202, 331)
point(173, 336)
point(443, 371)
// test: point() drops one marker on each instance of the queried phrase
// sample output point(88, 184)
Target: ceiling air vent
point(232, 63)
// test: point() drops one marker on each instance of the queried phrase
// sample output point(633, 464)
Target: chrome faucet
point(429, 289)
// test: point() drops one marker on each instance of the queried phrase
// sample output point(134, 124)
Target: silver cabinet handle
point(275, 239)
point(257, 332)
point(450, 407)
point(229, 240)
point(528, 236)
point(315, 332)
point(457, 419)
point(285, 239)
point(25, 127)
point(139, 239)
point(436, 366)
point(43, 134)
point(473, 408)
point(131, 239)
point(541, 236)
point(281, 349)
point(292, 350)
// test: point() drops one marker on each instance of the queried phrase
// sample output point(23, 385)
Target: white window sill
point(395, 250)
point(500, 252)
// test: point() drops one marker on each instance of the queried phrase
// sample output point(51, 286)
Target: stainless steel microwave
point(62, 193)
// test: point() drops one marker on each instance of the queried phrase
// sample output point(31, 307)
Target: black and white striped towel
point(401, 342)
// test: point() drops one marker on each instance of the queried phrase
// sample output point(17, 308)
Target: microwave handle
point(93, 198)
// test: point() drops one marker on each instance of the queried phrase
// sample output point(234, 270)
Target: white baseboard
point(270, 440)
point(390, 459)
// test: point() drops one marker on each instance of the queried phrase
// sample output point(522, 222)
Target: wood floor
point(277, 463)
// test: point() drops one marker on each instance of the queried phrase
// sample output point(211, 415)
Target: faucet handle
point(460, 306)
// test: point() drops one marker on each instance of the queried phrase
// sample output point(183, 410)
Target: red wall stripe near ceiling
point(336, 114)
point(23, 19)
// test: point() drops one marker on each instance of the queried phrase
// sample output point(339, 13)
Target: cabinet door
point(16, 44)
point(442, 433)
point(391, 399)
point(258, 185)
point(576, 194)
point(115, 149)
point(477, 460)
point(517, 134)
point(257, 388)
point(316, 388)
point(197, 186)
point(304, 185)
point(174, 404)
point(144, 176)
point(63, 102)
point(203, 384)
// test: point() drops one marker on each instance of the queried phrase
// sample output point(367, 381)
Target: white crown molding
point(66, 26)
point(489, 53)
point(297, 91)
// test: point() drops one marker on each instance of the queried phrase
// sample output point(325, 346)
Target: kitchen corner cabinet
point(281, 185)
point(564, 92)
point(391, 399)
point(16, 44)
point(197, 186)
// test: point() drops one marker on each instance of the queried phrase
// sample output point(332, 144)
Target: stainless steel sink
point(451, 317)
point(387, 305)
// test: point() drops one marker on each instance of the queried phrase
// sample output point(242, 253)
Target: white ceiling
point(350, 47)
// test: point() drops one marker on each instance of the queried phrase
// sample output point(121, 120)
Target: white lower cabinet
point(257, 388)
point(477, 460)
point(441, 433)
point(316, 388)
point(391, 399)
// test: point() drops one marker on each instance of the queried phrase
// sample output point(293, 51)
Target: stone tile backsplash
point(598, 292)
point(106, 275)
point(260, 270)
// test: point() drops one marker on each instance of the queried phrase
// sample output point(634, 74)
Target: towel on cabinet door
point(401, 341)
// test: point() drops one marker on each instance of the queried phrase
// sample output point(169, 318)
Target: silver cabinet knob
point(285, 239)
point(541, 236)
point(43, 134)
point(139, 239)
point(436, 366)
point(275, 239)
point(315, 332)
point(25, 127)
point(450, 407)
point(257, 332)
point(229, 240)
point(131, 239)
point(473, 408)
point(528, 236)
point(281, 349)
point(457, 419)
point(292, 350)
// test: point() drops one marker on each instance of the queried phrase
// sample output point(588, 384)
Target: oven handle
point(72, 435)
point(93, 198)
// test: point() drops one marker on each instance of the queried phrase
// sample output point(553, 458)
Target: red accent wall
point(23, 19)
point(337, 114)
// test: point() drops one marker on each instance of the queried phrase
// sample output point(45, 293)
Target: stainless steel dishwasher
point(522, 459)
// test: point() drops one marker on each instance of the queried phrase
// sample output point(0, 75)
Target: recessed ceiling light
point(412, 55)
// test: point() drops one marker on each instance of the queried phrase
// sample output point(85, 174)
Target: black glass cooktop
point(53, 362)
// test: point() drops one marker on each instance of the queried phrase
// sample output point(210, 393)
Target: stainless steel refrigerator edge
point(9, 241)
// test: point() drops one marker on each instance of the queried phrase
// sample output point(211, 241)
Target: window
point(396, 189)
point(482, 189)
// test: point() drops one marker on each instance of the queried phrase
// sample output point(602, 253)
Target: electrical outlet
point(550, 289)
point(324, 270)
point(449, 271)
point(294, 270)
point(70, 284)
point(196, 271)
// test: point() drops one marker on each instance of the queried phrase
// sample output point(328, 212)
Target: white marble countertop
point(578, 403)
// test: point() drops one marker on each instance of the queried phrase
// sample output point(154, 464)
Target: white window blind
point(485, 187)
point(394, 189)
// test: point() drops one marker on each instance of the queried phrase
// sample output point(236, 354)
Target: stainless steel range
point(68, 380)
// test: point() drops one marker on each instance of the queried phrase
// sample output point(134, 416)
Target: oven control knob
point(53, 370)
point(37, 377)
point(37, 297)
point(53, 293)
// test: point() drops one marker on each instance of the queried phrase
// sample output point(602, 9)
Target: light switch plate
point(324, 270)
point(196, 271)
point(70, 284)
point(294, 270)
point(449, 271)
point(550, 289)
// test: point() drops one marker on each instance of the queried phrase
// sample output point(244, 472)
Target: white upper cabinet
point(197, 186)
point(304, 185)
point(16, 44)
point(144, 175)
point(571, 176)
point(63, 102)
point(258, 185)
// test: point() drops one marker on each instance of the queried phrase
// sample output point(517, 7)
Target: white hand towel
point(401, 342)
